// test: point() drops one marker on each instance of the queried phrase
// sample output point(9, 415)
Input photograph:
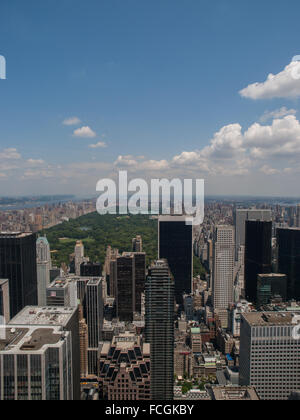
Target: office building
point(270, 286)
point(223, 267)
point(288, 242)
point(18, 265)
point(240, 218)
point(67, 319)
point(36, 363)
point(43, 258)
point(58, 293)
point(4, 301)
point(89, 269)
point(139, 278)
point(258, 255)
point(159, 328)
point(79, 256)
point(125, 286)
point(137, 244)
point(124, 368)
point(175, 244)
point(94, 319)
point(297, 224)
point(269, 353)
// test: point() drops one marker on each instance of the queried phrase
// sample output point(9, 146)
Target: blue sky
point(152, 80)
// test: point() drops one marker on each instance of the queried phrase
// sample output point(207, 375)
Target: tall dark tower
point(159, 326)
point(140, 278)
point(18, 265)
point(288, 242)
point(258, 255)
point(175, 244)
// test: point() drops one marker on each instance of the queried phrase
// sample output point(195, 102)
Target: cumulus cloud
point(100, 144)
point(10, 153)
point(277, 113)
point(85, 132)
point(285, 84)
point(71, 121)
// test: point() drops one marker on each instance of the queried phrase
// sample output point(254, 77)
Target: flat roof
point(271, 318)
point(37, 315)
point(30, 339)
point(15, 234)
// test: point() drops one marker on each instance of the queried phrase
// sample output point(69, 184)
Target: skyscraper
point(125, 286)
point(223, 267)
point(140, 278)
point(175, 244)
point(43, 268)
point(94, 308)
point(124, 368)
point(159, 319)
point(89, 269)
point(258, 255)
point(269, 353)
point(18, 265)
point(79, 256)
point(298, 216)
point(270, 286)
point(37, 364)
point(4, 301)
point(137, 244)
point(288, 242)
point(240, 218)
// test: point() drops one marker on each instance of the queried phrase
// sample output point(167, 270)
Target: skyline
point(161, 90)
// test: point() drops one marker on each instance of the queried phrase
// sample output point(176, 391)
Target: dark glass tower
point(175, 244)
point(288, 242)
point(89, 269)
point(125, 287)
point(159, 325)
point(258, 255)
point(140, 278)
point(18, 265)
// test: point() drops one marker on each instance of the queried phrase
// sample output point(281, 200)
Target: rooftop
point(30, 339)
point(36, 315)
point(10, 235)
point(272, 318)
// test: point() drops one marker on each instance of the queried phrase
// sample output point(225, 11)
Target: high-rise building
point(4, 301)
point(79, 256)
point(43, 268)
point(175, 244)
point(125, 286)
point(124, 368)
point(240, 218)
point(58, 293)
point(258, 255)
point(84, 343)
point(94, 308)
point(159, 327)
point(18, 265)
point(288, 242)
point(89, 269)
point(140, 278)
point(67, 320)
point(270, 286)
point(298, 216)
point(223, 267)
point(269, 353)
point(36, 363)
point(137, 244)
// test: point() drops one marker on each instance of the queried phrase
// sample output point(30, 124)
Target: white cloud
point(35, 162)
point(10, 153)
point(285, 84)
point(277, 113)
point(100, 144)
point(71, 121)
point(85, 132)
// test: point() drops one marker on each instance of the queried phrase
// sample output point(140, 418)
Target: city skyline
point(208, 109)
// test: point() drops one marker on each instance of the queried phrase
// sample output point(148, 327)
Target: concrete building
point(124, 368)
point(159, 328)
point(137, 244)
point(36, 363)
point(67, 319)
point(269, 353)
point(4, 301)
point(233, 393)
point(43, 259)
point(223, 269)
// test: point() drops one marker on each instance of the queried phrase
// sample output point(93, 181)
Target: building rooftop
point(30, 339)
point(36, 315)
point(272, 318)
point(12, 235)
point(231, 393)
